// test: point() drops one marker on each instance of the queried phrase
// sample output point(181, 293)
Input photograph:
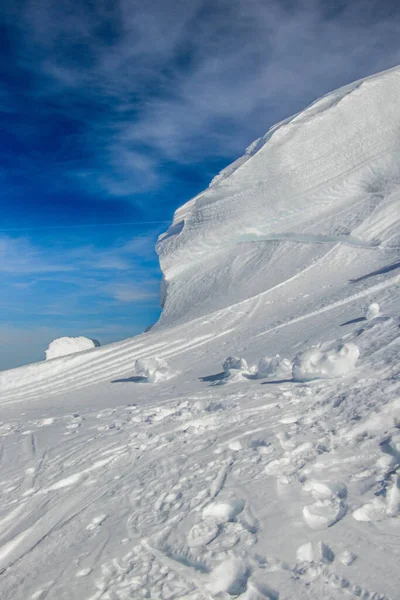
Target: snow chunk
point(224, 511)
point(233, 363)
point(152, 369)
point(69, 345)
point(347, 557)
point(273, 367)
point(372, 311)
point(305, 553)
point(229, 576)
point(317, 364)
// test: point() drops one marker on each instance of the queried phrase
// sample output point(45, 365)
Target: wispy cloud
point(18, 256)
point(155, 82)
point(61, 277)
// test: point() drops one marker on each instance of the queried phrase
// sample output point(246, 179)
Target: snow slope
point(206, 486)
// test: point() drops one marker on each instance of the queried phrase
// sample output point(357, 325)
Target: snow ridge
point(327, 175)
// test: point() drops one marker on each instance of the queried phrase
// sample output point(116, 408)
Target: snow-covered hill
point(239, 484)
point(326, 176)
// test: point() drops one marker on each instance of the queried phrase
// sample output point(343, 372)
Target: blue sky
point(118, 111)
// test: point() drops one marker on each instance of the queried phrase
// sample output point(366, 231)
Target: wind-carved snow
point(146, 469)
point(69, 345)
point(320, 180)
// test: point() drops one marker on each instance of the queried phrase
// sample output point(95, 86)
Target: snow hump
point(69, 345)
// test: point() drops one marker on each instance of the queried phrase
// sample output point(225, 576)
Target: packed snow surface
point(69, 345)
point(129, 476)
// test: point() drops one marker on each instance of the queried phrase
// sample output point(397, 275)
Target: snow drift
point(323, 181)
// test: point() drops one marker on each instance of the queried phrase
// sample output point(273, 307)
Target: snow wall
point(324, 177)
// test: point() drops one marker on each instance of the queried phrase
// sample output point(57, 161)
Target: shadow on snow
point(130, 380)
point(381, 271)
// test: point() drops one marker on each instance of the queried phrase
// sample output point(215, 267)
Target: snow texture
point(273, 487)
point(69, 345)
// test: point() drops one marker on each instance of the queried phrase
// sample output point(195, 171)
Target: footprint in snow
point(203, 533)
point(216, 519)
point(329, 506)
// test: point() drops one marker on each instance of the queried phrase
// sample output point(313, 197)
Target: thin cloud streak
point(80, 272)
point(83, 226)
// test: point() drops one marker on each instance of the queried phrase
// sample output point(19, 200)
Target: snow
point(69, 345)
point(347, 558)
point(230, 576)
point(274, 367)
point(270, 485)
point(317, 364)
point(372, 311)
point(305, 553)
point(151, 369)
point(233, 363)
point(224, 511)
point(387, 505)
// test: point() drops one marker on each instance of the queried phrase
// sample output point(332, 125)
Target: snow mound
point(317, 364)
point(69, 345)
point(152, 369)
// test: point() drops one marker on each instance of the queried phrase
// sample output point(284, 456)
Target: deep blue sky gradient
point(119, 111)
